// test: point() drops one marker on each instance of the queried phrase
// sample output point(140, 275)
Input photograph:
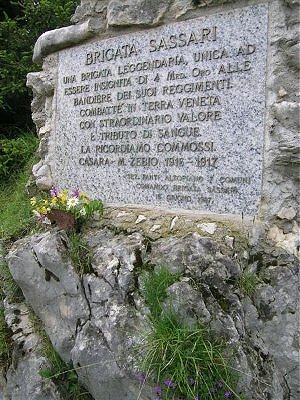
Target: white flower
point(37, 214)
point(46, 221)
point(82, 211)
point(72, 202)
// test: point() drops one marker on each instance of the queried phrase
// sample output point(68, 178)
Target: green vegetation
point(183, 362)
point(64, 376)
point(15, 210)
point(21, 23)
point(80, 254)
point(5, 341)
point(248, 283)
point(15, 153)
point(155, 285)
point(8, 287)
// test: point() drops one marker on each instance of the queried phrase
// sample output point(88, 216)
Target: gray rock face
point(23, 380)
point(54, 289)
point(135, 12)
point(91, 322)
point(99, 321)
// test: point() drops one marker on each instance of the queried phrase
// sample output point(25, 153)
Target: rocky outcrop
point(22, 379)
point(97, 321)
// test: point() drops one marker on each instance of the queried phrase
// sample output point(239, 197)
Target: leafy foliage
point(17, 38)
point(14, 153)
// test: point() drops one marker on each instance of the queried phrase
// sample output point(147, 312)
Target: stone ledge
point(59, 39)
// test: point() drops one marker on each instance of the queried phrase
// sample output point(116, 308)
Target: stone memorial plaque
point(170, 117)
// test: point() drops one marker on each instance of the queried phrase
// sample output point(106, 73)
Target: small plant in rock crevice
point(8, 287)
point(180, 361)
point(80, 254)
point(248, 282)
point(155, 284)
point(5, 340)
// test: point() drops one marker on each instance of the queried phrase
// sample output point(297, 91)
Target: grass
point(15, 209)
point(155, 285)
point(80, 254)
point(248, 282)
point(183, 362)
point(8, 287)
point(5, 340)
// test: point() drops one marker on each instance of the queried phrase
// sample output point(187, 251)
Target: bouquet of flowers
point(65, 207)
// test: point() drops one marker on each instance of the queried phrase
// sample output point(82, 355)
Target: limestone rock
point(23, 379)
point(42, 174)
point(287, 113)
point(40, 83)
point(208, 227)
point(49, 283)
point(87, 9)
point(294, 55)
point(287, 213)
point(140, 218)
point(181, 7)
point(25, 382)
point(135, 12)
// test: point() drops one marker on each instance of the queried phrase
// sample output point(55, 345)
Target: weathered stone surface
point(58, 39)
point(287, 213)
point(294, 55)
point(261, 330)
point(51, 286)
point(181, 7)
point(178, 100)
point(287, 113)
point(135, 12)
point(41, 83)
point(23, 380)
point(42, 174)
point(89, 8)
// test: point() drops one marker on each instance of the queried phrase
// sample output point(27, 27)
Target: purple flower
point(54, 191)
point(141, 378)
point(157, 389)
point(212, 390)
point(227, 394)
point(220, 385)
point(75, 193)
point(169, 383)
point(192, 381)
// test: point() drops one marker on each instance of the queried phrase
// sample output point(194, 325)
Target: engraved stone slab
point(170, 117)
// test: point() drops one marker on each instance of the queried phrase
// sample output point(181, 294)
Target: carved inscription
point(171, 117)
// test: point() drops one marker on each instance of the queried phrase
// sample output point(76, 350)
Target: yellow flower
point(33, 201)
point(63, 198)
point(46, 202)
point(43, 210)
point(54, 200)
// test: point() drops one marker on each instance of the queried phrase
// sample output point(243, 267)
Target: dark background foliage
point(21, 23)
